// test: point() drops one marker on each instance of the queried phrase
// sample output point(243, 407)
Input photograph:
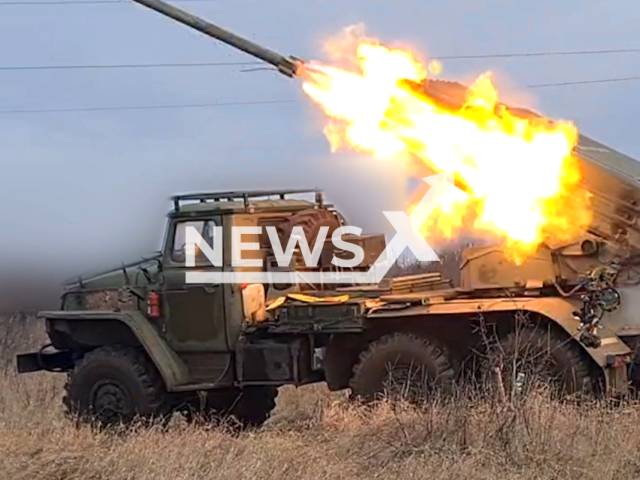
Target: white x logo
point(407, 227)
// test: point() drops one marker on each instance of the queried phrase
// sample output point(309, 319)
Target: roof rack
point(242, 196)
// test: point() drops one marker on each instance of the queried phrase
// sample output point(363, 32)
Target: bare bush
point(18, 333)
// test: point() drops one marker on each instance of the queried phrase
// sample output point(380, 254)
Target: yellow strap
point(306, 299)
point(309, 299)
point(276, 303)
point(369, 304)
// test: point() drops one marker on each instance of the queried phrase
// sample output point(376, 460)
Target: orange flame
point(521, 179)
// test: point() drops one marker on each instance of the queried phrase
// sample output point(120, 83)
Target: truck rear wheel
point(540, 357)
point(114, 384)
point(402, 366)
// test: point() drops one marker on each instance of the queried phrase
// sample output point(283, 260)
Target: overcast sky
point(97, 183)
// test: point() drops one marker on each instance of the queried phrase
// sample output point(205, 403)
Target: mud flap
point(617, 374)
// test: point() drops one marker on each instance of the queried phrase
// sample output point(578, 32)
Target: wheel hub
point(110, 401)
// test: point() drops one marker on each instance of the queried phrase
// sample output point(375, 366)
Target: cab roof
point(244, 201)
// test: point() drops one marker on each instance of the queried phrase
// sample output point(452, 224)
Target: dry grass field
point(315, 435)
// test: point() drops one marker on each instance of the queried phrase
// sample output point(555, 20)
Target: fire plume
point(522, 181)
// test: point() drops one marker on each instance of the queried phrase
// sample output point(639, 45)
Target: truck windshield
point(204, 227)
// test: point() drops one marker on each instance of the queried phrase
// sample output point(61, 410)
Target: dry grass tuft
point(315, 434)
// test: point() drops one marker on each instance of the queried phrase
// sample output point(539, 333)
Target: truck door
point(193, 313)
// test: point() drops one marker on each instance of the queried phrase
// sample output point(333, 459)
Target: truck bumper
point(51, 361)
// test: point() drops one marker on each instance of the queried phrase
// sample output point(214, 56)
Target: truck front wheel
point(113, 384)
point(402, 366)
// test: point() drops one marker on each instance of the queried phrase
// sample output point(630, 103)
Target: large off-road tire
point(402, 366)
point(535, 357)
point(114, 384)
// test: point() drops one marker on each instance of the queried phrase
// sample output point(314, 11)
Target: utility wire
point(584, 82)
point(541, 54)
point(86, 2)
point(249, 63)
point(146, 107)
point(255, 102)
point(128, 65)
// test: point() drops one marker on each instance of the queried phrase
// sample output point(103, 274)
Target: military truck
point(139, 341)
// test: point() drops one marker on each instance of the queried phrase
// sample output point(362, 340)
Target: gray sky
point(97, 183)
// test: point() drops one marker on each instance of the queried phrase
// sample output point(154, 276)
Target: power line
point(249, 63)
point(85, 2)
point(540, 54)
point(256, 102)
point(127, 65)
point(584, 82)
point(146, 107)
